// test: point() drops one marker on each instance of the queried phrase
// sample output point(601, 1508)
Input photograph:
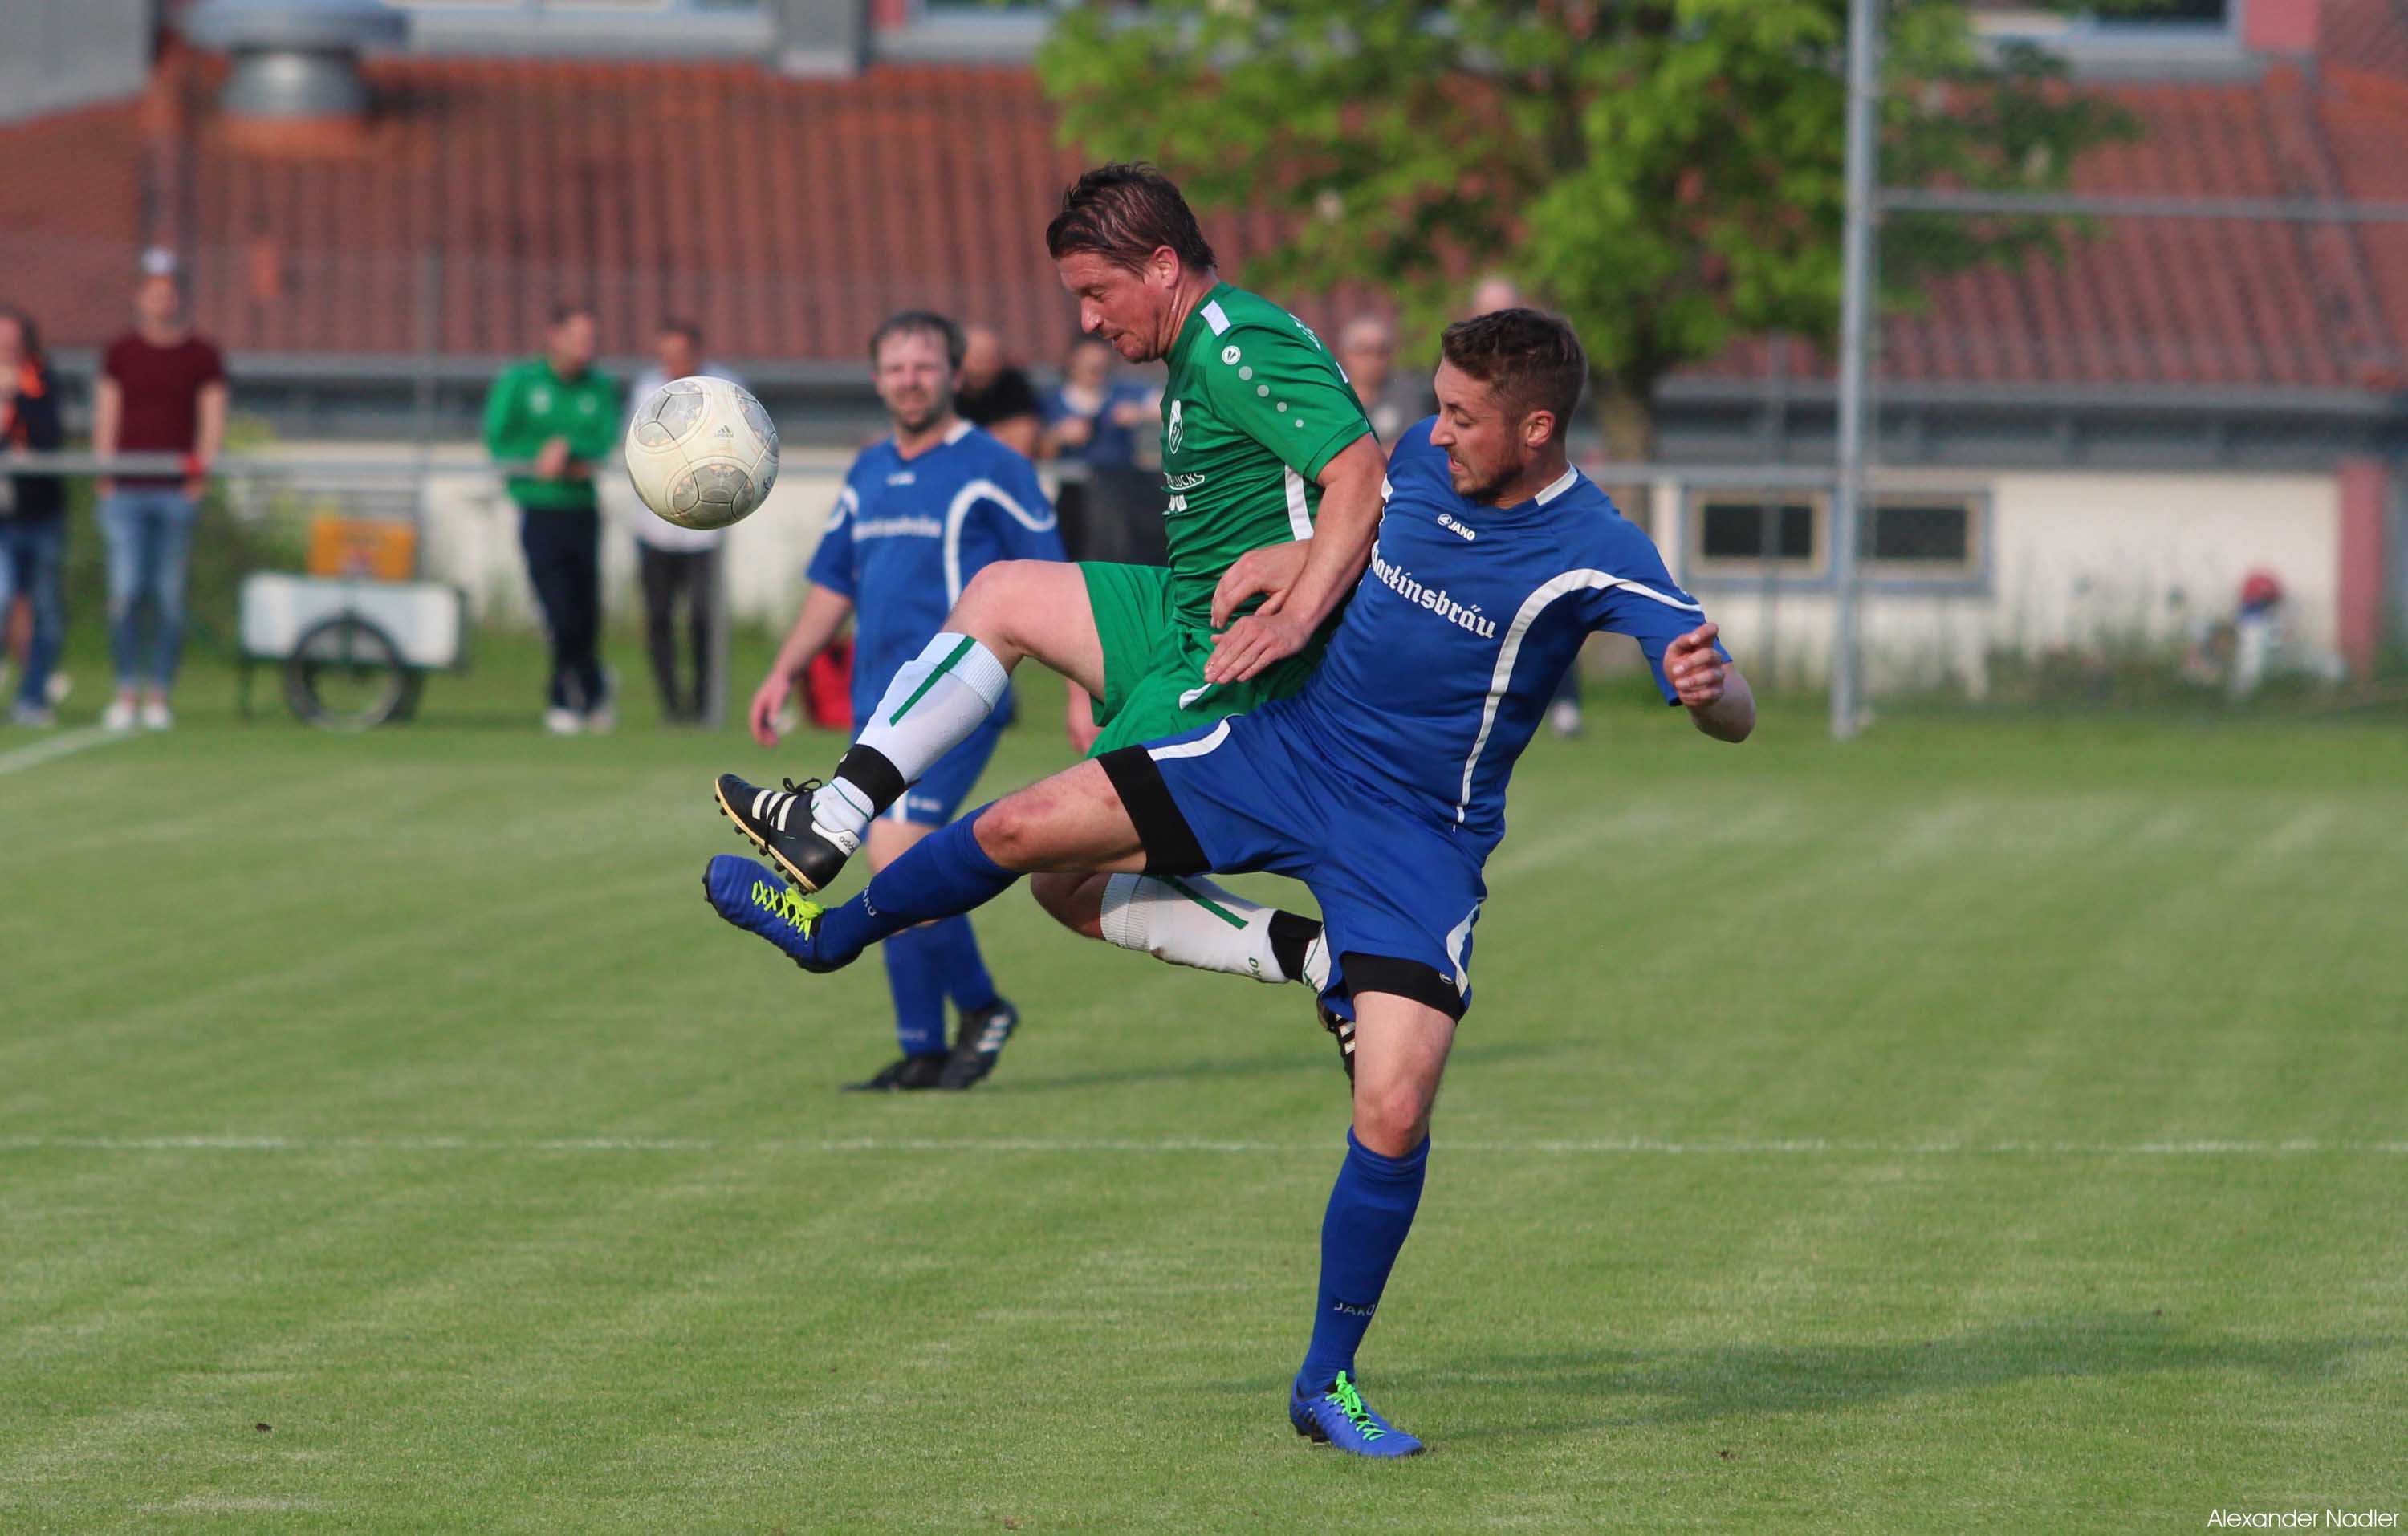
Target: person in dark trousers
point(997, 396)
point(555, 412)
point(33, 515)
point(678, 567)
point(162, 390)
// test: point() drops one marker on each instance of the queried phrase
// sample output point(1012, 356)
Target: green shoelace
point(1350, 1402)
point(788, 907)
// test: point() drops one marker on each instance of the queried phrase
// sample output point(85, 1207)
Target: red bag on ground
point(827, 687)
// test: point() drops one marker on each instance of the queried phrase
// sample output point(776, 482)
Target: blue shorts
point(1399, 897)
point(936, 794)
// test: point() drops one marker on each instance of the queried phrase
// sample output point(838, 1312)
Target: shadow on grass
point(1321, 1057)
point(1577, 1391)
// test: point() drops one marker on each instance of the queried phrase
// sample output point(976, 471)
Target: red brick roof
point(786, 215)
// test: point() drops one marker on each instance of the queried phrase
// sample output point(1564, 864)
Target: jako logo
point(1446, 521)
point(1351, 1310)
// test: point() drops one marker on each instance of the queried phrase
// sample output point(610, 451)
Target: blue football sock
point(1370, 1211)
point(915, 976)
point(959, 963)
point(944, 874)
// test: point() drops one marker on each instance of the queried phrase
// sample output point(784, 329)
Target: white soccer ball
point(702, 453)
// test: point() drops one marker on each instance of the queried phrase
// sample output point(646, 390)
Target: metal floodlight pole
point(1855, 320)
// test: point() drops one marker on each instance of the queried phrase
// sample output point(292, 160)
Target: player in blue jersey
point(920, 514)
point(1382, 785)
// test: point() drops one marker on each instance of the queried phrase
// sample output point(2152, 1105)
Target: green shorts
point(1153, 662)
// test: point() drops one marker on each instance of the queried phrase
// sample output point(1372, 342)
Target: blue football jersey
point(908, 535)
point(1460, 630)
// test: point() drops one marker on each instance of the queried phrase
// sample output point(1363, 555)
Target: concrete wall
point(468, 529)
point(2074, 561)
point(2071, 560)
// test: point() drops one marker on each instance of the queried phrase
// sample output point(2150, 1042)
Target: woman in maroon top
point(162, 390)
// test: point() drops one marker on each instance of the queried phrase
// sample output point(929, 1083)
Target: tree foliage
point(1669, 175)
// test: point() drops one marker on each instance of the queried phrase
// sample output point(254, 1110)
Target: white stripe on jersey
point(1299, 517)
point(1532, 606)
point(1217, 318)
point(1197, 748)
point(970, 496)
point(847, 501)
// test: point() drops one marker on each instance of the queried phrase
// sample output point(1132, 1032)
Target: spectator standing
point(556, 414)
point(1367, 351)
point(1093, 418)
point(997, 396)
point(32, 514)
point(1112, 514)
point(678, 567)
point(162, 390)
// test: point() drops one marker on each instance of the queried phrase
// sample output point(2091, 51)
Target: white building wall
point(469, 530)
point(2073, 560)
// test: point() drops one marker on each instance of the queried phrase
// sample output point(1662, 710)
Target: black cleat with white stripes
point(778, 822)
point(1342, 1028)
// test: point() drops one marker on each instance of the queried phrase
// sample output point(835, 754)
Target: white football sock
point(935, 700)
point(1189, 921)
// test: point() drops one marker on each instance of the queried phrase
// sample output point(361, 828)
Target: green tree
point(1669, 175)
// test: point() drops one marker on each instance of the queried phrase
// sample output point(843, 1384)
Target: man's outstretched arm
point(1718, 699)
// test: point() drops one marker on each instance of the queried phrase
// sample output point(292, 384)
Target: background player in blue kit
point(920, 514)
point(1382, 785)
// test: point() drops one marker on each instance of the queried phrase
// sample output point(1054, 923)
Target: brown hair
point(920, 323)
point(29, 335)
point(1125, 212)
point(1529, 361)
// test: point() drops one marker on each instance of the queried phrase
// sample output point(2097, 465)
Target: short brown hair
point(1125, 212)
point(1529, 361)
point(920, 323)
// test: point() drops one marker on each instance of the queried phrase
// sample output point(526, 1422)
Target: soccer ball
point(702, 453)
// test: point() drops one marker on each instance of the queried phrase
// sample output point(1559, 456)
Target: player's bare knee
point(1391, 1119)
point(1008, 830)
point(986, 605)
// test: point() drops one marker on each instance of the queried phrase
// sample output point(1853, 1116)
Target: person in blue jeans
point(162, 390)
point(32, 514)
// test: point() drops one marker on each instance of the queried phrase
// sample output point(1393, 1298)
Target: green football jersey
point(1255, 408)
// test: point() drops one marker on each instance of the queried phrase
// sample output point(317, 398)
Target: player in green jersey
point(1272, 477)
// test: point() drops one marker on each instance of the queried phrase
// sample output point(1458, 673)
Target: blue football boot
point(757, 899)
point(1340, 1418)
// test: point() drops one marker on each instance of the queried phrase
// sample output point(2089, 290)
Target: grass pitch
point(1984, 1126)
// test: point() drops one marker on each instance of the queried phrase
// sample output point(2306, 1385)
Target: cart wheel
point(346, 674)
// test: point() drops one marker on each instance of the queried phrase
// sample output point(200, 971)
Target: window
point(2115, 28)
point(1908, 531)
point(1783, 535)
point(2194, 13)
point(1739, 534)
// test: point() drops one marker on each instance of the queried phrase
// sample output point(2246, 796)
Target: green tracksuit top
point(530, 404)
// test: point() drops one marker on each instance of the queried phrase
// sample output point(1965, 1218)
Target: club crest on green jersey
point(1177, 429)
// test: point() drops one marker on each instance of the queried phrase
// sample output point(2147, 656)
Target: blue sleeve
point(832, 561)
point(1640, 602)
point(1026, 530)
